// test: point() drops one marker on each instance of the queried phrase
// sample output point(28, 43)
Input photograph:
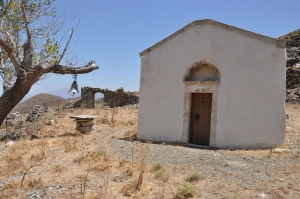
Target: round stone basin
point(83, 116)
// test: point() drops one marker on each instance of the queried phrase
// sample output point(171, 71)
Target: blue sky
point(114, 32)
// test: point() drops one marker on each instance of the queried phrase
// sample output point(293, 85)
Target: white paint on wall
point(248, 100)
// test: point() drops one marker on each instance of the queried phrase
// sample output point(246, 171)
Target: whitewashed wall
point(250, 95)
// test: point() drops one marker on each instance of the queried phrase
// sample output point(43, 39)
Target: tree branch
point(12, 57)
point(6, 8)
point(26, 21)
point(66, 47)
point(27, 46)
point(59, 69)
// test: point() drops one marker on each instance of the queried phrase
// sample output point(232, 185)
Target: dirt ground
point(61, 163)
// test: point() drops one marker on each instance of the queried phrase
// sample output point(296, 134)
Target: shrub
point(157, 167)
point(184, 191)
point(131, 122)
point(160, 172)
point(193, 177)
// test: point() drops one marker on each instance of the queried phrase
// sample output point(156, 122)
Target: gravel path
point(247, 169)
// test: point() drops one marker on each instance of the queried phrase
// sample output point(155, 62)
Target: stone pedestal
point(84, 123)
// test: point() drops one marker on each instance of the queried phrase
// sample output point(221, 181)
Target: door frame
point(200, 87)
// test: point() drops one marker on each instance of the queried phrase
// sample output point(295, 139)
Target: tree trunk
point(12, 97)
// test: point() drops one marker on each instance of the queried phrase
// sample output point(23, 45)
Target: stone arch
point(204, 71)
point(111, 98)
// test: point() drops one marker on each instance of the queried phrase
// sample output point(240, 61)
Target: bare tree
point(27, 51)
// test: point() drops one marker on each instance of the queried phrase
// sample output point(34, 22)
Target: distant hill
point(40, 99)
point(63, 93)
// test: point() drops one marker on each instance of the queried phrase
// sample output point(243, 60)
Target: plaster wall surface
point(248, 99)
point(203, 74)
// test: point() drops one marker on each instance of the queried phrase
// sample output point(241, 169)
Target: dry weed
point(103, 120)
point(34, 182)
point(114, 112)
point(59, 168)
point(100, 167)
point(129, 189)
point(89, 157)
point(149, 141)
point(24, 174)
point(10, 190)
point(83, 181)
point(128, 171)
point(123, 162)
point(140, 180)
point(133, 186)
point(43, 145)
point(70, 146)
point(130, 135)
point(13, 162)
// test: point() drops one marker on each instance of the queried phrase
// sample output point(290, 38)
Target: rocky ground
point(64, 164)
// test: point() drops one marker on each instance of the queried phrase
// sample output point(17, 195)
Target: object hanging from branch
point(27, 51)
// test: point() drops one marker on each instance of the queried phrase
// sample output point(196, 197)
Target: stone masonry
point(292, 66)
point(111, 98)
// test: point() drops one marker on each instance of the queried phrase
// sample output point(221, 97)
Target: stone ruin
point(292, 66)
point(111, 98)
point(36, 112)
point(17, 124)
point(34, 115)
point(293, 72)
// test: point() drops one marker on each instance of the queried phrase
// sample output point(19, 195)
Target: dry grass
point(59, 168)
point(99, 172)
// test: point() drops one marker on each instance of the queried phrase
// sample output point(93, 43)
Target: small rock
point(10, 143)
point(50, 122)
point(281, 179)
point(263, 195)
point(280, 150)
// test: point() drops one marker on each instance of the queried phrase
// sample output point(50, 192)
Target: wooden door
point(200, 118)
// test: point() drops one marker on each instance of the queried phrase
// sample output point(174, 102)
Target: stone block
point(84, 123)
point(84, 128)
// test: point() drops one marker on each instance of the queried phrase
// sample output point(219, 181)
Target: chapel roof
point(278, 42)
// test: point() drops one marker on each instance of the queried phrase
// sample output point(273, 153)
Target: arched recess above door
point(202, 71)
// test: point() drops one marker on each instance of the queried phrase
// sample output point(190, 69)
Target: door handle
point(197, 116)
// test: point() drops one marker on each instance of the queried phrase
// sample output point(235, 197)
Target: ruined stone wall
point(292, 40)
point(111, 98)
point(293, 72)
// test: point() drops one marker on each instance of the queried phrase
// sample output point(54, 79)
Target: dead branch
point(66, 47)
point(24, 174)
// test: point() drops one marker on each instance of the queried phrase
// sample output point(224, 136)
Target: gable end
point(279, 43)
